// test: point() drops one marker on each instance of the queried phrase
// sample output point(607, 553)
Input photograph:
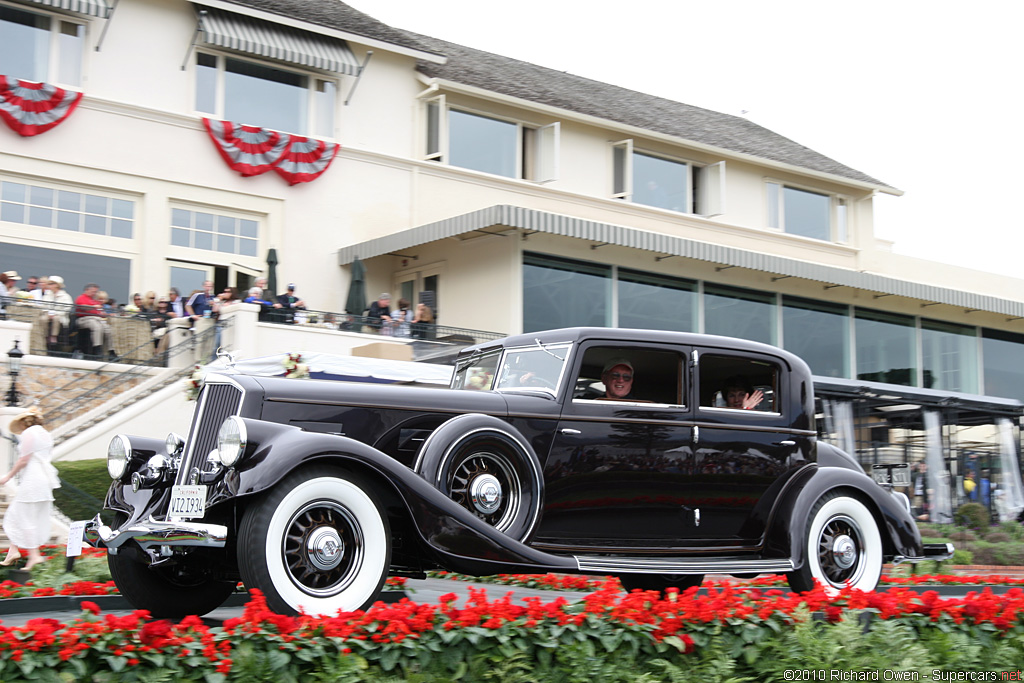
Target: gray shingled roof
point(573, 93)
point(338, 16)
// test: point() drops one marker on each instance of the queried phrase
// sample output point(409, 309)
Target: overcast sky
point(924, 96)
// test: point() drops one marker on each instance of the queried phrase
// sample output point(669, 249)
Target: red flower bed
point(640, 627)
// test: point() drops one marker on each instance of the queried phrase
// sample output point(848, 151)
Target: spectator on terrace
point(59, 316)
point(92, 319)
point(380, 312)
point(176, 304)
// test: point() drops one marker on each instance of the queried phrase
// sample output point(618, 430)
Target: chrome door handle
point(570, 432)
point(787, 442)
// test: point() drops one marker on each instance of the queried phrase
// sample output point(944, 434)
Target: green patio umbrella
point(271, 275)
point(355, 304)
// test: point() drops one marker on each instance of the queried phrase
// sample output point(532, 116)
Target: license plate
point(188, 501)
point(895, 475)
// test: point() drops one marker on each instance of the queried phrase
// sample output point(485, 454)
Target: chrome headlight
point(118, 453)
point(174, 444)
point(231, 441)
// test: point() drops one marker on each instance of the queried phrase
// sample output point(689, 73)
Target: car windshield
point(534, 367)
point(476, 373)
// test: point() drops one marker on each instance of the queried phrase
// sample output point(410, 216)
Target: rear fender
point(788, 527)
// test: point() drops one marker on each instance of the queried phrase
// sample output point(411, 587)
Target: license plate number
point(896, 475)
point(188, 501)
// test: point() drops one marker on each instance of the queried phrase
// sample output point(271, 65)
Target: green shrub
point(961, 556)
point(972, 516)
point(997, 537)
point(963, 536)
point(1013, 529)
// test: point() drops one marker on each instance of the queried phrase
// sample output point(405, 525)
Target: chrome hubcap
point(844, 551)
point(325, 548)
point(485, 492)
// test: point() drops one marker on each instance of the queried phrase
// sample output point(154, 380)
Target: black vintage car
point(655, 456)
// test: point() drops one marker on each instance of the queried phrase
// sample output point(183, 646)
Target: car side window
point(739, 383)
point(631, 374)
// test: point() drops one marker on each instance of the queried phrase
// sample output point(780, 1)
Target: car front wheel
point(843, 547)
point(319, 542)
point(169, 592)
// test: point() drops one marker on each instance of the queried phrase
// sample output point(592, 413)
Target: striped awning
point(94, 8)
point(532, 220)
point(273, 41)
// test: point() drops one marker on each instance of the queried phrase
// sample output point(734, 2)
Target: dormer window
point(479, 142)
point(806, 213)
point(666, 183)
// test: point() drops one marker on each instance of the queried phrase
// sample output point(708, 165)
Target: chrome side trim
point(659, 565)
point(156, 533)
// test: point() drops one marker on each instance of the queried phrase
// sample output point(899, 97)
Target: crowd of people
point(88, 314)
point(402, 321)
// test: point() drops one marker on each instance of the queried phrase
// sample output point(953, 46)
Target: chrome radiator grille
point(217, 402)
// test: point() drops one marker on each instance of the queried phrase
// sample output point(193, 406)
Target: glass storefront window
point(818, 332)
point(561, 292)
point(1003, 354)
point(949, 356)
point(656, 302)
point(743, 313)
point(886, 347)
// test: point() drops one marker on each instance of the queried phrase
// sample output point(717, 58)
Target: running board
point(660, 565)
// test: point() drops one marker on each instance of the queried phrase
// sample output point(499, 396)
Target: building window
point(250, 93)
point(656, 302)
point(40, 47)
point(806, 213)
point(743, 313)
point(214, 232)
point(1003, 354)
point(491, 145)
point(664, 183)
point(949, 356)
point(46, 207)
point(561, 292)
point(818, 332)
point(886, 347)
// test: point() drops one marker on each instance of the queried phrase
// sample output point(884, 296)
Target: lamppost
point(14, 366)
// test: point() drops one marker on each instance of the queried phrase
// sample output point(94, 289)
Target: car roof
point(621, 334)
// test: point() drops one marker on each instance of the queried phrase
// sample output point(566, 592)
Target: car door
point(615, 467)
point(742, 455)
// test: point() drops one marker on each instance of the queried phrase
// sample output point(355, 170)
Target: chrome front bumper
point(153, 533)
point(936, 552)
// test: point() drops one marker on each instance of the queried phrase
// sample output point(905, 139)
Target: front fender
point(457, 538)
point(900, 536)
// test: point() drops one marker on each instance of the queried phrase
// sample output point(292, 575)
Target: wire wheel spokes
point(485, 483)
point(323, 548)
point(840, 551)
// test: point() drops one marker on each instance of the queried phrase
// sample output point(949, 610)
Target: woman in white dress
point(27, 521)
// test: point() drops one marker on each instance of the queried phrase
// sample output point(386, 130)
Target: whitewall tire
point(843, 547)
point(318, 542)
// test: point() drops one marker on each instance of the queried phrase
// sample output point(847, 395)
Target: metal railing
point(61, 408)
point(72, 340)
point(345, 322)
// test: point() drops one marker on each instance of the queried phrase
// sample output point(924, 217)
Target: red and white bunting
point(250, 150)
point(31, 108)
point(306, 159)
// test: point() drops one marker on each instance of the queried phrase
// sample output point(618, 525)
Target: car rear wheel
point(659, 582)
point(843, 547)
point(319, 542)
point(169, 592)
point(485, 466)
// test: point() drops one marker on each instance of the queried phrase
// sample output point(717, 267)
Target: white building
point(521, 197)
